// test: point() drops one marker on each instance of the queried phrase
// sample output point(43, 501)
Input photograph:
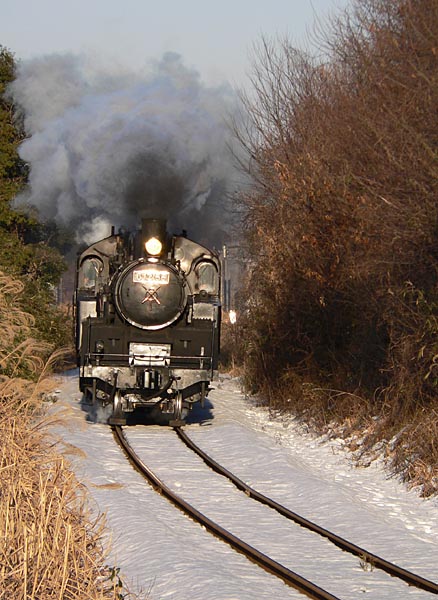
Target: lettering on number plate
point(151, 277)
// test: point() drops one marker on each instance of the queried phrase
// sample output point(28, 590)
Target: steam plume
point(107, 147)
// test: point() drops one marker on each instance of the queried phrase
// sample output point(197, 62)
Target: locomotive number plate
point(151, 277)
point(149, 354)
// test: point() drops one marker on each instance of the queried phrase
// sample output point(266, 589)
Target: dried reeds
point(50, 547)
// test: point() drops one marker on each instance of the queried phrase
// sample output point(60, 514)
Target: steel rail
point(372, 559)
point(270, 565)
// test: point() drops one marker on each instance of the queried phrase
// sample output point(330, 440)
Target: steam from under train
point(108, 147)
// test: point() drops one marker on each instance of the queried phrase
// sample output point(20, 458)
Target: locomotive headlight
point(153, 246)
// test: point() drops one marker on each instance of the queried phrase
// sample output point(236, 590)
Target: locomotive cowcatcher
point(147, 323)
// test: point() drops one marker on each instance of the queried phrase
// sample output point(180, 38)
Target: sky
point(128, 105)
point(215, 38)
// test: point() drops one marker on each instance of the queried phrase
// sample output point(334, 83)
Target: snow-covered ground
point(159, 549)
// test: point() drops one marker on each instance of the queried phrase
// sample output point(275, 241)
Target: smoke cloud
point(109, 147)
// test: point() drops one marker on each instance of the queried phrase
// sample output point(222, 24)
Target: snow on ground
point(159, 549)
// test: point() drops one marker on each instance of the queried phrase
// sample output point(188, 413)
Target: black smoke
point(108, 147)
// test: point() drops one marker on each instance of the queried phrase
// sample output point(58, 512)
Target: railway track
point(369, 557)
point(288, 576)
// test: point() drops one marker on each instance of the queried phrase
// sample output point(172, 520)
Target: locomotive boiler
point(147, 323)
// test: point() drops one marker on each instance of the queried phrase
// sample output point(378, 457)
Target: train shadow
point(201, 415)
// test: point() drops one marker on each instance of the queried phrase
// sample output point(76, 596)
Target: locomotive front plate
point(151, 277)
point(150, 296)
point(149, 354)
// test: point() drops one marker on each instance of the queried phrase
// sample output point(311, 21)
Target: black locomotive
point(147, 322)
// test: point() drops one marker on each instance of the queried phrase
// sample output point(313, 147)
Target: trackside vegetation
point(51, 544)
point(339, 320)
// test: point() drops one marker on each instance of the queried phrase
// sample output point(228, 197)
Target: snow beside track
point(159, 549)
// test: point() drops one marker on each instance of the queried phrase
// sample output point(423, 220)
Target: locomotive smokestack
point(153, 228)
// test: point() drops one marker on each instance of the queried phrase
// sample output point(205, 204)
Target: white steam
point(107, 148)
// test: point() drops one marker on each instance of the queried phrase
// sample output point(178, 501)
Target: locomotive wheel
point(118, 417)
point(178, 419)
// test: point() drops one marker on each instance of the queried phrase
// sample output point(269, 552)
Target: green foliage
point(116, 583)
point(12, 169)
point(29, 249)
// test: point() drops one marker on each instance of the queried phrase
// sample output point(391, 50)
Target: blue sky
point(215, 38)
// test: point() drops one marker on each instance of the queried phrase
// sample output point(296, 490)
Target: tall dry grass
point(20, 353)
point(50, 546)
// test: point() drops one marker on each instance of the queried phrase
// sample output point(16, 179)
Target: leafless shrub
point(342, 221)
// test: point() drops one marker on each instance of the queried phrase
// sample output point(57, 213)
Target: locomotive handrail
point(144, 356)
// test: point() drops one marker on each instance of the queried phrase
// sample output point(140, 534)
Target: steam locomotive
point(147, 323)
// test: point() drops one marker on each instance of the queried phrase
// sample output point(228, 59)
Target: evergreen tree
point(26, 246)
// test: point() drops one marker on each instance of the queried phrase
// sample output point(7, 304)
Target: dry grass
point(50, 546)
point(19, 352)
point(411, 451)
point(407, 442)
